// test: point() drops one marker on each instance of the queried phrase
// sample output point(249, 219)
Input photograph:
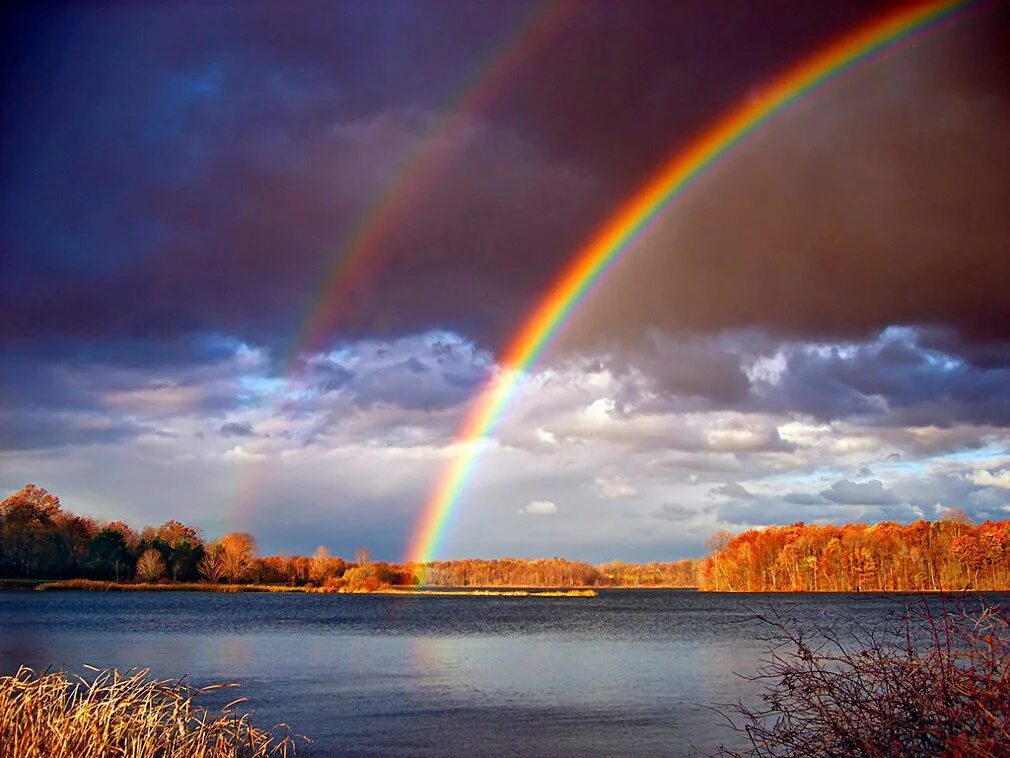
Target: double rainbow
point(617, 235)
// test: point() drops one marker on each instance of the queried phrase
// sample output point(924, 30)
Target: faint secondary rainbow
point(617, 234)
point(388, 211)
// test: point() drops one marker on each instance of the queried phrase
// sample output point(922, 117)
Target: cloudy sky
point(819, 330)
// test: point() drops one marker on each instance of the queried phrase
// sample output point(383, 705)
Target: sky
point(819, 330)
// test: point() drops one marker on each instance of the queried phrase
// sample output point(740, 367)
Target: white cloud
point(540, 508)
point(369, 427)
point(767, 369)
point(614, 487)
point(985, 478)
point(239, 453)
point(546, 437)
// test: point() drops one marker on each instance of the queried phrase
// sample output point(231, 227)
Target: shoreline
point(90, 585)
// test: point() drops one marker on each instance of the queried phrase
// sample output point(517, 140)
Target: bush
point(934, 680)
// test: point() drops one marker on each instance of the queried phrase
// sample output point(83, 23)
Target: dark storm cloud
point(732, 489)
point(422, 372)
point(933, 494)
point(168, 170)
point(776, 512)
point(846, 492)
point(675, 512)
point(330, 376)
point(843, 502)
point(237, 429)
point(900, 378)
point(704, 370)
point(92, 399)
point(36, 429)
point(879, 200)
point(803, 498)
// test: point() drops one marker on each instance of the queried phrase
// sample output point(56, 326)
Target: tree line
point(557, 572)
point(950, 554)
point(39, 539)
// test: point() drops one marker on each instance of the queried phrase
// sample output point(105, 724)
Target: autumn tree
point(968, 552)
point(319, 564)
point(180, 545)
point(34, 499)
point(717, 544)
point(952, 553)
point(238, 551)
point(323, 566)
point(130, 537)
point(29, 533)
point(211, 565)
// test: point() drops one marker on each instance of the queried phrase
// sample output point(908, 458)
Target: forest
point(950, 554)
point(39, 539)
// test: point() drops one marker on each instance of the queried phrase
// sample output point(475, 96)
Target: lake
point(626, 673)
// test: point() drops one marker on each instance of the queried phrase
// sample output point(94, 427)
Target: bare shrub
point(932, 680)
point(151, 566)
point(211, 567)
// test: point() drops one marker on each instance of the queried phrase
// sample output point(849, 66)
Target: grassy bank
point(90, 585)
point(490, 593)
point(112, 713)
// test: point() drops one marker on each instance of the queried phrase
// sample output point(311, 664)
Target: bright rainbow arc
point(631, 219)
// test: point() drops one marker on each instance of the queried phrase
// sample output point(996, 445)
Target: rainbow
point(388, 212)
point(364, 242)
point(617, 234)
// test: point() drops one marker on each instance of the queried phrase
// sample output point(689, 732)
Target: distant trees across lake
point(39, 539)
point(950, 554)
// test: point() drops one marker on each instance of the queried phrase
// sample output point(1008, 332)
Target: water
point(626, 673)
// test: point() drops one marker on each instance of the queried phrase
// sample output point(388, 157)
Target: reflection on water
point(626, 673)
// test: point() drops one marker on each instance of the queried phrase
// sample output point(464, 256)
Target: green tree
point(109, 555)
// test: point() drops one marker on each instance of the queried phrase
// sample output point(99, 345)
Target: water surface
point(626, 673)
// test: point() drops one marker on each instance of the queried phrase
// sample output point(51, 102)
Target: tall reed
point(113, 713)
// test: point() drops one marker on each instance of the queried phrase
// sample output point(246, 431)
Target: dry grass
point(488, 593)
point(54, 715)
point(91, 585)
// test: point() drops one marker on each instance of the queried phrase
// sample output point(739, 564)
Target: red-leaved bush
point(933, 680)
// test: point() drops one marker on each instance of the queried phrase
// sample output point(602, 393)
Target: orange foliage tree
point(950, 554)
